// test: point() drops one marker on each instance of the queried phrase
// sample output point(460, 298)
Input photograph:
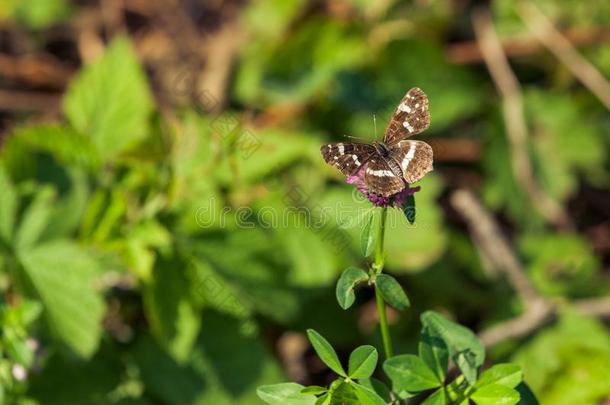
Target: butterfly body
point(392, 164)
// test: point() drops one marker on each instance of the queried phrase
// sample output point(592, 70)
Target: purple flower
point(394, 200)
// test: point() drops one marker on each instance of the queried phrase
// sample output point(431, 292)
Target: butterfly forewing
point(414, 158)
point(410, 118)
point(347, 157)
point(391, 165)
point(379, 178)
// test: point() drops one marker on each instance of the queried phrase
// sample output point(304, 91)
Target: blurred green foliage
point(139, 252)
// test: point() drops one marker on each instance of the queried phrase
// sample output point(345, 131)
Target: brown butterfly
point(394, 163)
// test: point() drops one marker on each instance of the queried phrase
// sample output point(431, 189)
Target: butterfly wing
point(414, 158)
point(347, 157)
point(379, 178)
point(410, 118)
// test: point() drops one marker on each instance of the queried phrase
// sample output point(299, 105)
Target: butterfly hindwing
point(410, 118)
point(390, 165)
point(414, 158)
point(379, 178)
point(347, 157)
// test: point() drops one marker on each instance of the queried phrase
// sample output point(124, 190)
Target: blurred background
point(168, 229)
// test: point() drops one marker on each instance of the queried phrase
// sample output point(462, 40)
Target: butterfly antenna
point(375, 124)
point(353, 137)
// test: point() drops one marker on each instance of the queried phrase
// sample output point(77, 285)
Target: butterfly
point(396, 162)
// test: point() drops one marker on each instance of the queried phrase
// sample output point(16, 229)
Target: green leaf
point(409, 373)
point(314, 389)
point(173, 319)
point(495, 394)
point(392, 292)
point(507, 374)
point(35, 218)
point(433, 351)
point(409, 208)
point(313, 262)
point(362, 362)
point(8, 206)
point(67, 211)
point(343, 393)
point(438, 398)
point(464, 347)
point(367, 396)
point(67, 146)
point(110, 100)
point(366, 238)
point(575, 348)
point(326, 352)
point(379, 387)
point(242, 280)
point(465, 361)
point(325, 399)
point(39, 14)
point(285, 393)
point(69, 380)
point(350, 278)
point(527, 396)
point(269, 18)
point(63, 275)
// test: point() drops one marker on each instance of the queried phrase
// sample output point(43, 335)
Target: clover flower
point(397, 200)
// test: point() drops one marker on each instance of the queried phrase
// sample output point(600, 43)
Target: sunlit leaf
point(35, 218)
point(326, 352)
point(464, 347)
point(110, 100)
point(285, 393)
point(379, 387)
point(437, 398)
point(314, 389)
point(509, 375)
point(62, 275)
point(392, 292)
point(495, 394)
point(349, 279)
point(366, 396)
point(433, 351)
point(409, 373)
point(362, 362)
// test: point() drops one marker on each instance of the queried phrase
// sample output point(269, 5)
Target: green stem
point(378, 268)
point(379, 253)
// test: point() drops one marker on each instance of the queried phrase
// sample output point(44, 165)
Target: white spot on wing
point(408, 126)
point(341, 148)
point(356, 160)
point(380, 173)
point(408, 157)
point(404, 107)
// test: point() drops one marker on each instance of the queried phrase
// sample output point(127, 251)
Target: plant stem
point(378, 268)
point(379, 257)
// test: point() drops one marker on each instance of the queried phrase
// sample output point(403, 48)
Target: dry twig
point(13, 100)
point(525, 45)
point(512, 103)
point(497, 251)
point(493, 245)
point(547, 34)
